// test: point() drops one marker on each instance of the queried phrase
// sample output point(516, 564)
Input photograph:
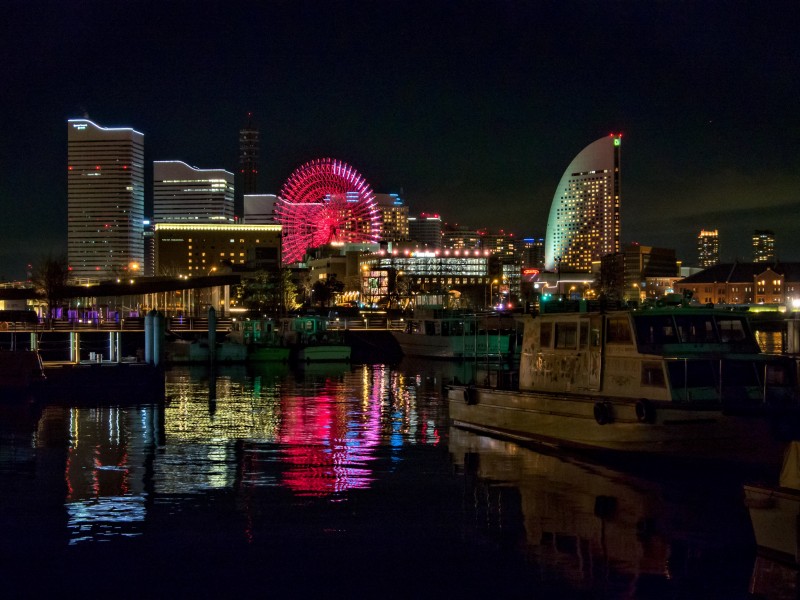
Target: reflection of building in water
point(106, 470)
point(596, 528)
point(242, 430)
point(223, 432)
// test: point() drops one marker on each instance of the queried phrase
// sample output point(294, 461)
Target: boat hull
point(613, 425)
point(324, 353)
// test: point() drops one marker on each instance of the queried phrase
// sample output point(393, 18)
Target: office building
point(584, 222)
point(393, 214)
point(182, 193)
point(426, 230)
point(533, 252)
point(190, 249)
point(708, 248)
point(259, 209)
point(105, 200)
point(459, 237)
point(763, 246)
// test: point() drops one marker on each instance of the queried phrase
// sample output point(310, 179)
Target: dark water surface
point(340, 481)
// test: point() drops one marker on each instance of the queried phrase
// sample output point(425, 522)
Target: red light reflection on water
point(325, 446)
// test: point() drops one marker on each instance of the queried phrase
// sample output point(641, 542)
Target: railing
point(185, 324)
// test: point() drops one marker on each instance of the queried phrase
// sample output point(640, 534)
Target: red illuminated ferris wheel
point(325, 201)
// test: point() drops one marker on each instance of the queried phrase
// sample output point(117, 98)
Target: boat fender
point(645, 413)
point(470, 395)
point(603, 413)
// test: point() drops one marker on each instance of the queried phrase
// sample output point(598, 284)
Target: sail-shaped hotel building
point(584, 217)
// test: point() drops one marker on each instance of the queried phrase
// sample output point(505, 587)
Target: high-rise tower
point(763, 245)
point(248, 157)
point(182, 193)
point(584, 218)
point(105, 195)
point(708, 248)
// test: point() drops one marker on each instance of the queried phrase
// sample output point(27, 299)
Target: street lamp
point(491, 292)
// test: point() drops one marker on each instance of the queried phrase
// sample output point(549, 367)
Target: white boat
point(448, 334)
point(674, 380)
point(775, 515)
point(309, 340)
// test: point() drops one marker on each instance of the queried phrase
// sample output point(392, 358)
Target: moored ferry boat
point(261, 338)
point(309, 340)
point(452, 334)
point(677, 380)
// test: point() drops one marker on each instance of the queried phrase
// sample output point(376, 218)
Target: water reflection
point(356, 470)
point(616, 534)
point(314, 434)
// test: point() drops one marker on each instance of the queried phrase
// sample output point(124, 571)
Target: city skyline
point(460, 119)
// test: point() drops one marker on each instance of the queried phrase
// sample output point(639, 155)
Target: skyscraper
point(183, 193)
point(393, 217)
point(426, 229)
point(708, 248)
point(763, 245)
point(105, 199)
point(248, 157)
point(584, 218)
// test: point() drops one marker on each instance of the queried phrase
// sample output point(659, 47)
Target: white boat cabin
point(671, 354)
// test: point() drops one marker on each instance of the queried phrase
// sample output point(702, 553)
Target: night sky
point(472, 110)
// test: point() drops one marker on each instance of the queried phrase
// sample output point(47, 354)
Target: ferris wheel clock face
point(325, 201)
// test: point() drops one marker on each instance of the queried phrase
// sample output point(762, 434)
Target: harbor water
point(344, 481)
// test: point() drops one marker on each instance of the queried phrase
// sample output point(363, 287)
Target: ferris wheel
point(325, 201)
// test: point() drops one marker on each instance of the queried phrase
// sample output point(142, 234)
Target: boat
point(774, 514)
point(674, 379)
point(261, 339)
point(458, 335)
point(310, 340)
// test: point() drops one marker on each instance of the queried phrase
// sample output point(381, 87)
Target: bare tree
point(50, 280)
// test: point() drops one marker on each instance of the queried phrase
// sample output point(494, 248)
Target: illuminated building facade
point(584, 223)
point(708, 248)
point(744, 283)
point(105, 196)
point(185, 193)
point(461, 238)
point(763, 245)
point(467, 272)
point(533, 252)
point(204, 248)
point(393, 217)
point(426, 230)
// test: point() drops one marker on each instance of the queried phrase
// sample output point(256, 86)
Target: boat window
point(618, 331)
point(692, 374)
point(731, 329)
point(430, 328)
point(545, 334)
point(652, 374)
point(655, 330)
point(777, 375)
point(584, 341)
point(696, 329)
point(566, 335)
point(740, 373)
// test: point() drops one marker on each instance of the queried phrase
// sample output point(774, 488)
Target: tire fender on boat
point(645, 412)
point(470, 395)
point(603, 413)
